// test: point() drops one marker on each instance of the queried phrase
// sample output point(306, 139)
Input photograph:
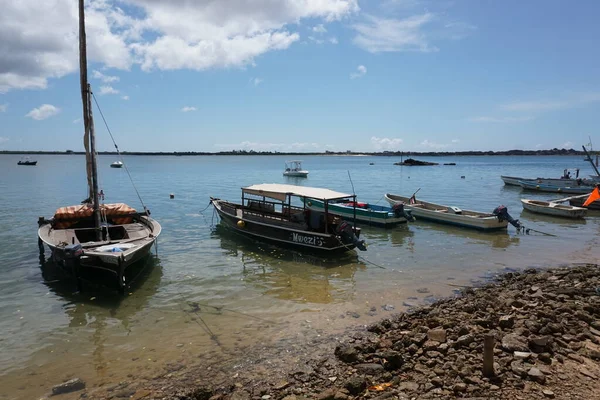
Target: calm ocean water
point(49, 334)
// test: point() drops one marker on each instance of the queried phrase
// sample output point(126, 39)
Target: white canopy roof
point(281, 191)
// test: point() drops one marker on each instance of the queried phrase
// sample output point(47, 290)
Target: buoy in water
point(241, 224)
point(171, 196)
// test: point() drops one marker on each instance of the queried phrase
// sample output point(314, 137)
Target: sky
point(303, 75)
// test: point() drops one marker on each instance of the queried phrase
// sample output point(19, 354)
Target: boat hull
point(114, 257)
point(448, 215)
point(384, 217)
point(302, 174)
point(558, 182)
point(300, 239)
point(29, 163)
point(554, 209)
point(541, 187)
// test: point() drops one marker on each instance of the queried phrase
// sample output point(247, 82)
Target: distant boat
point(294, 168)
point(448, 214)
point(27, 161)
point(370, 214)
point(117, 164)
point(554, 209)
point(541, 187)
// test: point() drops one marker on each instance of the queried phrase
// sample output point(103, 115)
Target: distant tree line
point(551, 152)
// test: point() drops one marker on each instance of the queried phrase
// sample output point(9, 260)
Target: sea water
point(207, 283)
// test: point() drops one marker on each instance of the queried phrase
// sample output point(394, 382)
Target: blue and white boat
point(541, 187)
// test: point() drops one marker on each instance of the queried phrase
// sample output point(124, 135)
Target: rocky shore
point(543, 327)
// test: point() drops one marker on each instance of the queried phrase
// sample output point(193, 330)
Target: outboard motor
point(501, 212)
point(399, 211)
point(347, 234)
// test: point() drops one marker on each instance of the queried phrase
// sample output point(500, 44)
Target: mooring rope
point(118, 152)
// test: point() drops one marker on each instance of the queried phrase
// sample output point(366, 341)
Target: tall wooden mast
point(89, 139)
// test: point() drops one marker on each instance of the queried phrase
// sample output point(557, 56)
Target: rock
point(346, 353)
point(464, 340)
point(409, 386)
point(69, 386)
point(328, 394)
point(521, 355)
point(369, 368)
point(548, 393)
point(518, 368)
point(266, 397)
point(394, 359)
point(388, 307)
point(512, 342)
point(540, 344)
point(437, 381)
point(536, 375)
point(355, 385)
point(437, 335)
point(545, 358)
point(506, 321)
point(459, 387)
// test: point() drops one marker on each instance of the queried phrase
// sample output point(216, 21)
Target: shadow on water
point(144, 277)
point(564, 222)
point(399, 236)
point(291, 275)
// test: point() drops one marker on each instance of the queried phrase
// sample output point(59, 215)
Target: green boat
point(370, 214)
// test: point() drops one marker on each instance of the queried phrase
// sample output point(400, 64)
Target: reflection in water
point(565, 222)
point(497, 239)
point(399, 236)
point(290, 275)
point(98, 311)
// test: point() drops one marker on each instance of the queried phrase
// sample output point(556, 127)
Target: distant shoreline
point(552, 152)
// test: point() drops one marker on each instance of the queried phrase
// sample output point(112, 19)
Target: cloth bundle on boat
point(119, 213)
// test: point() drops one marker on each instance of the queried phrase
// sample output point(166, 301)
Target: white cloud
point(569, 101)
point(284, 147)
point(256, 81)
point(361, 71)
point(433, 145)
point(333, 40)
point(317, 41)
point(42, 112)
point(108, 90)
point(455, 141)
point(76, 121)
point(39, 39)
point(105, 78)
point(3, 139)
point(3, 107)
point(566, 145)
point(377, 34)
point(125, 97)
point(385, 143)
point(188, 109)
point(319, 29)
point(501, 119)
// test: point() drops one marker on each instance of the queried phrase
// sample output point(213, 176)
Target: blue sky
point(304, 75)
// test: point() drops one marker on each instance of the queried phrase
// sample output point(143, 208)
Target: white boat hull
point(554, 209)
point(296, 173)
point(448, 215)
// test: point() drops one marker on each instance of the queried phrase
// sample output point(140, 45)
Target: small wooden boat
point(550, 188)
point(266, 213)
point(448, 214)
point(559, 182)
point(294, 168)
point(370, 214)
point(554, 209)
point(117, 164)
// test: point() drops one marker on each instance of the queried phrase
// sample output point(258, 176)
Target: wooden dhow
point(266, 213)
point(96, 237)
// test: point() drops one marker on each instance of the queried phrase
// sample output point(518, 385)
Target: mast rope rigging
point(118, 152)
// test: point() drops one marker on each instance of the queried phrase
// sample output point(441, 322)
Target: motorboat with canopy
point(277, 213)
